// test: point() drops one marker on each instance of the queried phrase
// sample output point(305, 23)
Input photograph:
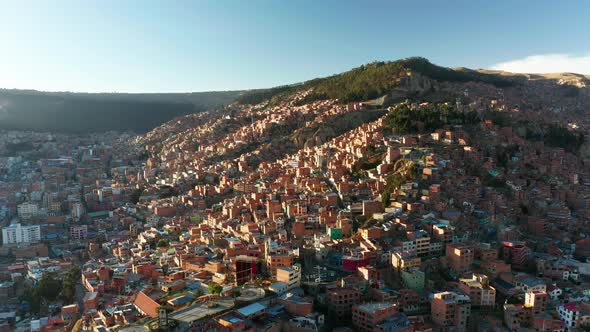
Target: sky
point(186, 46)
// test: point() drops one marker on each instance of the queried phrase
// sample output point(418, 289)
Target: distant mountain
point(82, 112)
point(390, 81)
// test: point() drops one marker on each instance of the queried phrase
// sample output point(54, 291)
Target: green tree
point(49, 287)
point(69, 285)
point(69, 291)
point(135, 195)
point(163, 243)
point(31, 296)
point(215, 288)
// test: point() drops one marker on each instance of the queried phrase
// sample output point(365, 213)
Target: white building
point(570, 314)
point(27, 210)
point(77, 211)
point(16, 233)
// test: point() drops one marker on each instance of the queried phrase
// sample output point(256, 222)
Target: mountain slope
point(265, 124)
point(377, 79)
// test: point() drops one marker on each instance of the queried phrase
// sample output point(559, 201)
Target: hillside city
point(446, 200)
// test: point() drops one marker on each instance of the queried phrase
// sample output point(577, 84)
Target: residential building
point(479, 290)
point(341, 300)
point(460, 257)
point(27, 210)
point(17, 233)
point(78, 232)
point(365, 317)
point(413, 278)
point(290, 276)
point(537, 300)
point(450, 309)
point(405, 260)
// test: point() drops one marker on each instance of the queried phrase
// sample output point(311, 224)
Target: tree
point(162, 243)
point(230, 279)
point(69, 291)
point(48, 287)
point(135, 195)
point(69, 284)
point(557, 136)
point(386, 197)
point(215, 288)
point(32, 297)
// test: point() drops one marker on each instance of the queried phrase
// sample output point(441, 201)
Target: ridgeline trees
point(401, 119)
point(558, 136)
point(371, 81)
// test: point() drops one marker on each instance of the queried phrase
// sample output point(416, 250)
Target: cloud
point(547, 63)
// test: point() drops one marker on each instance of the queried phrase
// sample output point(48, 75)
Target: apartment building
point(365, 317)
point(450, 309)
point(17, 233)
point(479, 290)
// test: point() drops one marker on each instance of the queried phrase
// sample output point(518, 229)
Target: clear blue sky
point(178, 46)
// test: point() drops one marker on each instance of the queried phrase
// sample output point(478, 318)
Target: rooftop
point(372, 307)
point(251, 309)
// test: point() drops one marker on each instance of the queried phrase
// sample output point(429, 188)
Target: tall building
point(515, 253)
point(290, 276)
point(276, 256)
point(570, 313)
point(341, 300)
point(460, 257)
point(450, 309)
point(27, 210)
point(405, 260)
point(413, 278)
point(77, 211)
point(247, 268)
point(422, 242)
point(17, 233)
point(537, 300)
point(78, 232)
point(479, 290)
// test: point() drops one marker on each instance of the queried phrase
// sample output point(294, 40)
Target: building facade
point(17, 233)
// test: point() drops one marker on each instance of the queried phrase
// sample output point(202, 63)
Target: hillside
point(77, 112)
point(376, 79)
point(264, 125)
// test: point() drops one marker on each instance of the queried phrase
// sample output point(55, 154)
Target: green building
point(413, 279)
point(335, 233)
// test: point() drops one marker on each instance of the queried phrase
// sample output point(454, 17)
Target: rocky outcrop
point(414, 84)
point(327, 130)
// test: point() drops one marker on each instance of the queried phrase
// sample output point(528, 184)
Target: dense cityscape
point(457, 202)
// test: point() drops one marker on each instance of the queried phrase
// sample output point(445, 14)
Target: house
point(252, 311)
point(554, 292)
point(69, 313)
point(279, 287)
point(146, 305)
point(573, 315)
